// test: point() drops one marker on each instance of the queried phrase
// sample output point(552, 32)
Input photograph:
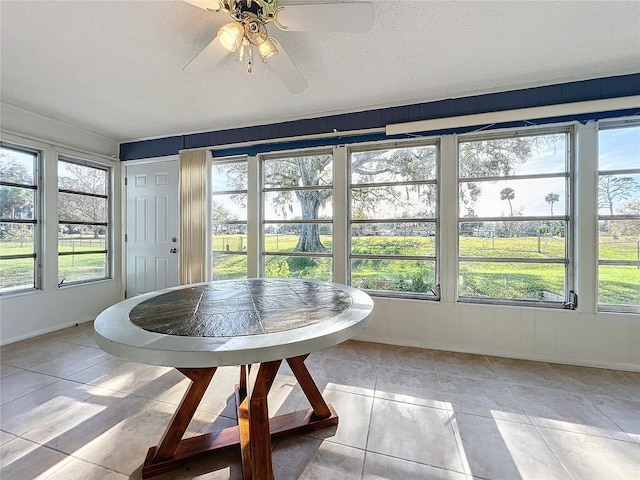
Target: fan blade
point(204, 4)
point(287, 71)
point(207, 58)
point(335, 17)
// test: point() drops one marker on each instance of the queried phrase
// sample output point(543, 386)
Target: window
point(393, 227)
point(514, 218)
point(619, 217)
point(229, 220)
point(19, 219)
point(297, 227)
point(83, 221)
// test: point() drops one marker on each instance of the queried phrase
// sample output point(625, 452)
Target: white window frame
point(108, 225)
point(570, 300)
point(37, 221)
point(435, 294)
point(263, 222)
point(604, 307)
point(227, 160)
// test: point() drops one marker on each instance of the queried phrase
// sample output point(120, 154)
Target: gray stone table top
point(233, 322)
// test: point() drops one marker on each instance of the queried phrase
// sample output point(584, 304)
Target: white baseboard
point(7, 341)
point(628, 367)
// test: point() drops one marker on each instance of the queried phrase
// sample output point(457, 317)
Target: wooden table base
point(255, 429)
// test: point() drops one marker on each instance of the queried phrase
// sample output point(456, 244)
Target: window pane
point(228, 238)
point(513, 156)
point(226, 208)
point(80, 268)
point(81, 208)
point(619, 284)
point(619, 148)
point(298, 205)
point(17, 166)
point(228, 177)
point(392, 194)
point(298, 171)
point(16, 273)
point(17, 203)
point(393, 239)
point(17, 239)
point(512, 239)
point(619, 216)
point(306, 237)
point(227, 267)
point(81, 238)
point(412, 276)
point(395, 165)
point(316, 268)
point(520, 281)
point(619, 194)
point(619, 239)
point(228, 241)
point(512, 198)
point(298, 200)
point(82, 178)
point(400, 201)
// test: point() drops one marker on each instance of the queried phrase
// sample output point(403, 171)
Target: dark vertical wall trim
point(596, 89)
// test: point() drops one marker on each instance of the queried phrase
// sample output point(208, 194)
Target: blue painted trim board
point(586, 90)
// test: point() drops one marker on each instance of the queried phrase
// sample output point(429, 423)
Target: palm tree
point(552, 198)
point(508, 194)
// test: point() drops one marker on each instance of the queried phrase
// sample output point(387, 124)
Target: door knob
point(173, 250)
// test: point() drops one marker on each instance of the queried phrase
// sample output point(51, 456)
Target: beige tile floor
point(71, 411)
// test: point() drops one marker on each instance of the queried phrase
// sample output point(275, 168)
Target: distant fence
point(81, 243)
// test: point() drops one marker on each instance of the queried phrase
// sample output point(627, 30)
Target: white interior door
point(152, 226)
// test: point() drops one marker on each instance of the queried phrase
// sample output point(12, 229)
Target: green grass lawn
point(71, 268)
point(618, 284)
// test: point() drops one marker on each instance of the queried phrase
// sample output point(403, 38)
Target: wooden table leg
point(309, 387)
point(255, 429)
point(254, 434)
point(200, 379)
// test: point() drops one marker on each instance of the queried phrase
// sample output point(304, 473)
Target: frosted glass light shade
point(231, 36)
point(267, 50)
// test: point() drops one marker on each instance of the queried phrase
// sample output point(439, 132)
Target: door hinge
point(126, 181)
point(572, 303)
point(125, 237)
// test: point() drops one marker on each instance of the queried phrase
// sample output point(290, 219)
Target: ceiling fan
point(248, 32)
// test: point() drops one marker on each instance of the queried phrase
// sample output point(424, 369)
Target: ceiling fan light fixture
point(268, 50)
point(231, 36)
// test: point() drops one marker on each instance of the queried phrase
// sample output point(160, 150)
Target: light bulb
point(231, 36)
point(244, 53)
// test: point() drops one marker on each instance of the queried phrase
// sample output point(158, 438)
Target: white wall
point(558, 336)
point(17, 120)
point(24, 315)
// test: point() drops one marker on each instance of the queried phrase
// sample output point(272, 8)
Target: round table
point(254, 323)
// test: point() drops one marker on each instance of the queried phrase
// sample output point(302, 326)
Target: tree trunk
point(309, 239)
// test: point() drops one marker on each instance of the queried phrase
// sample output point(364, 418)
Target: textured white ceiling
point(115, 67)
